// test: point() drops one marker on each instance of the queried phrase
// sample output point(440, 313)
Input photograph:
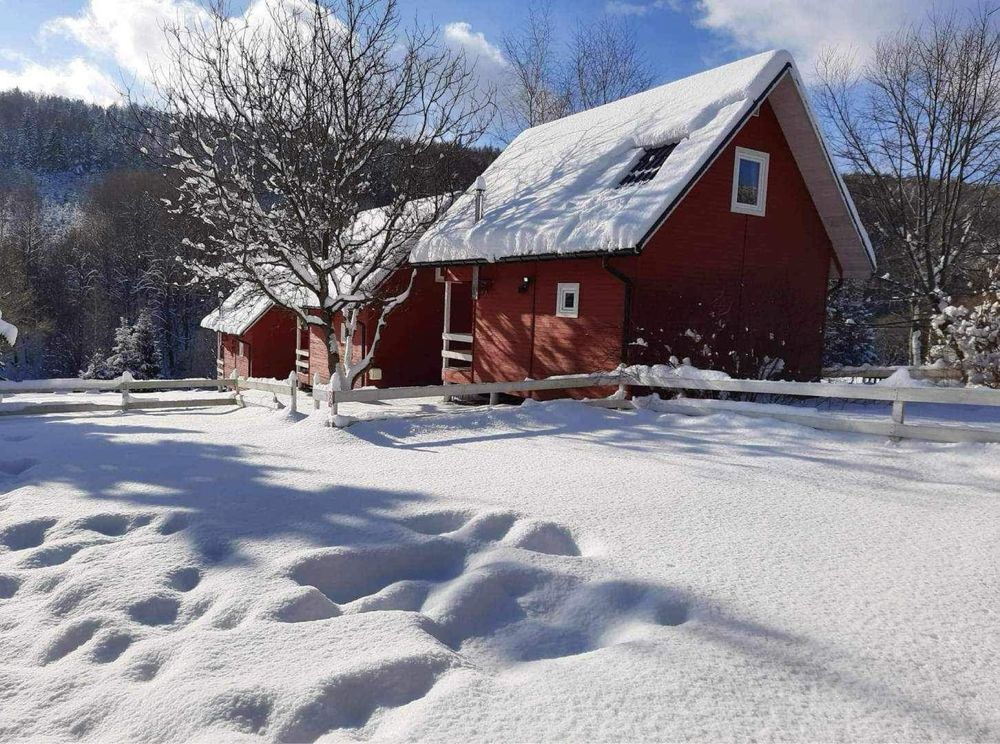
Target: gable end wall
point(748, 287)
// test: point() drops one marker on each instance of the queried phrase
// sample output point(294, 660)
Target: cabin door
point(456, 336)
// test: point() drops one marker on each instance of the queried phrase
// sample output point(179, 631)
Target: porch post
point(445, 343)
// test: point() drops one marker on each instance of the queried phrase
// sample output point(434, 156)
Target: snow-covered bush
point(8, 331)
point(969, 338)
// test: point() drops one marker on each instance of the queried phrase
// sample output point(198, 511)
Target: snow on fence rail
point(881, 373)
point(897, 396)
point(125, 385)
point(493, 389)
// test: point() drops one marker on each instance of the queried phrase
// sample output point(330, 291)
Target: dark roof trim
point(637, 249)
point(532, 257)
point(711, 160)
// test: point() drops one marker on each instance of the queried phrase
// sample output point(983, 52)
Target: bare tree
point(535, 93)
point(919, 128)
point(279, 132)
point(605, 63)
point(600, 63)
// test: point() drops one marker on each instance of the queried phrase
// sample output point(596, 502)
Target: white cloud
point(131, 32)
point(460, 35)
point(807, 27)
point(77, 78)
point(128, 31)
point(630, 8)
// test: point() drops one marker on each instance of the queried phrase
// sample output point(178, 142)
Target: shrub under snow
point(969, 339)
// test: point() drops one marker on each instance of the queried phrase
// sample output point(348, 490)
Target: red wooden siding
point(409, 351)
point(749, 286)
point(518, 334)
point(268, 347)
point(723, 288)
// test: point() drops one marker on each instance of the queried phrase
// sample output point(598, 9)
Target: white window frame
point(240, 350)
point(563, 289)
point(763, 159)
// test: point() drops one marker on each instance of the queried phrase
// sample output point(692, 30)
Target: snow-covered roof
point(8, 331)
point(553, 189)
point(238, 312)
point(248, 302)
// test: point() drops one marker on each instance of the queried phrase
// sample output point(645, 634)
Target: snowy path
point(551, 572)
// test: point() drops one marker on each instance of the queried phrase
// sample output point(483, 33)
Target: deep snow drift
point(549, 572)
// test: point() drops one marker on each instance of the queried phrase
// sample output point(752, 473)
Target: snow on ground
point(542, 573)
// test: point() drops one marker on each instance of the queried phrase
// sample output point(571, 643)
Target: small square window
point(568, 300)
point(750, 182)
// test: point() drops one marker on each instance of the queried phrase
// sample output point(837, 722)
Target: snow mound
point(641, 374)
point(901, 378)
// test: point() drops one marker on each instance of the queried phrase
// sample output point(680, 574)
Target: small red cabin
point(259, 339)
point(700, 219)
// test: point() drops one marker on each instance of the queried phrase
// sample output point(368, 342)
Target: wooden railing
point(325, 393)
point(880, 373)
point(896, 427)
point(125, 385)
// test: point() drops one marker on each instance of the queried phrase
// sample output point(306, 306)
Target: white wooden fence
point(896, 427)
point(124, 385)
point(934, 374)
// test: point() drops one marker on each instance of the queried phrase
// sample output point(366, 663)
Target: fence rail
point(125, 385)
point(896, 427)
point(881, 373)
point(367, 395)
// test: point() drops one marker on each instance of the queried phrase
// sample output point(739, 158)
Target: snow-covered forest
point(86, 242)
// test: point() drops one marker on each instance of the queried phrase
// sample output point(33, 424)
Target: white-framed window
point(240, 351)
point(568, 300)
point(750, 182)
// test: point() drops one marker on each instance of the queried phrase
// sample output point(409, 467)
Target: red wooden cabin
point(703, 218)
point(259, 339)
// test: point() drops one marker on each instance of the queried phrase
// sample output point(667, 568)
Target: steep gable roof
point(557, 188)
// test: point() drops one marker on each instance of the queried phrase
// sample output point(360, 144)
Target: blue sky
point(83, 48)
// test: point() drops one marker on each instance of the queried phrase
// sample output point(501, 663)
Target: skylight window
point(647, 166)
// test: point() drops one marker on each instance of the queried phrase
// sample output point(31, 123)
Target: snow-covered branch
point(303, 144)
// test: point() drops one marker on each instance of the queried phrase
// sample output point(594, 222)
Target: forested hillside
point(87, 245)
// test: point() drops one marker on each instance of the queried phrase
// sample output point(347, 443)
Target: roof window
point(648, 165)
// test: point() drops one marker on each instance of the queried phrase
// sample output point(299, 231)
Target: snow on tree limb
point(303, 146)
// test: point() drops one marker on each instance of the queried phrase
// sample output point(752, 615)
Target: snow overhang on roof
point(238, 312)
point(552, 192)
point(247, 304)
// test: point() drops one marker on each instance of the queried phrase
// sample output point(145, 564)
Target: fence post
point(494, 399)
point(293, 384)
point(898, 411)
point(123, 386)
point(333, 404)
point(316, 384)
point(235, 376)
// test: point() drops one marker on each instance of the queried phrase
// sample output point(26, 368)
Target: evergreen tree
point(135, 350)
point(850, 336)
point(146, 348)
